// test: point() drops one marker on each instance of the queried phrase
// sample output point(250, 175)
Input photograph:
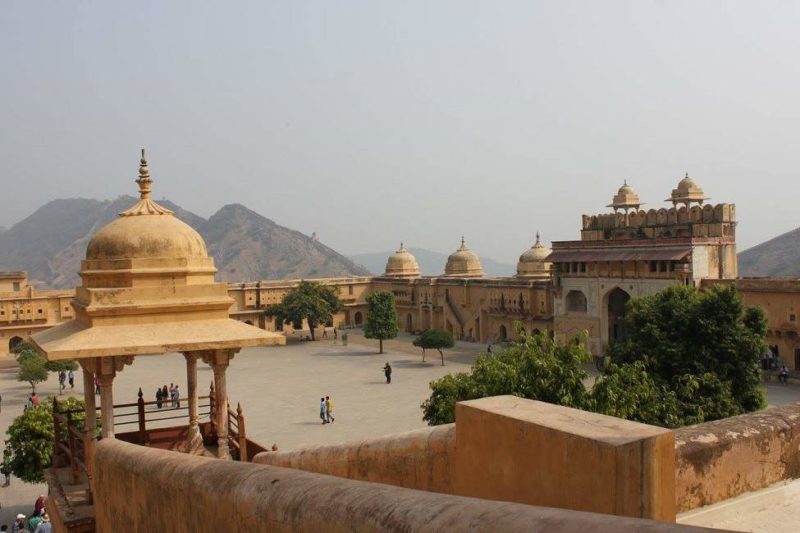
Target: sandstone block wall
point(722, 459)
point(420, 459)
point(145, 489)
point(512, 449)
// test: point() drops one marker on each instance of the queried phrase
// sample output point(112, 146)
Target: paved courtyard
point(279, 389)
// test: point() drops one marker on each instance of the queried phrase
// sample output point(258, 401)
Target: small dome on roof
point(146, 231)
point(532, 263)
point(687, 192)
point(402, 264)
point(463, 263)
point(625, 198)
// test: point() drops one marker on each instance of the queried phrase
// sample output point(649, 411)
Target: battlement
point(694, 221)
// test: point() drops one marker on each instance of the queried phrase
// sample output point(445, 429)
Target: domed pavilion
point(402, 264)
point(687, 192)
point(625, 199)
point(463, 263)
point(148, 288)
point(532, 264)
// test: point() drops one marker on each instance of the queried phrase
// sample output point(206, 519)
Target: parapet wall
point(419, 460)
point(144, 489)
point(722, 459)
point(512, 449)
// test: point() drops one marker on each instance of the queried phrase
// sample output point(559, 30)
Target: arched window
point(358, 318)
point(576, 301)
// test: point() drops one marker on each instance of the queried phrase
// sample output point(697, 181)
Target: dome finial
point(401, 245)
point(687, 174)
point(144, 180)
point(462, 240)
point(537, 238)
point(145, 206)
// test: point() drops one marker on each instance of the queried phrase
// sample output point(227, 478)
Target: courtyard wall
point(143, 489)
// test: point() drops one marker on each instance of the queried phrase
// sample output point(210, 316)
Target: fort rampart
point(144, 489)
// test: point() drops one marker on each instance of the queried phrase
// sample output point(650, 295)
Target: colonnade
point(105, 370)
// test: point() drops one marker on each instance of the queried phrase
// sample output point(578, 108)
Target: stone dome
point(402, 264)
point(146, 231)
point(625, 198)
point(532, 263)
point(463, 263)
point(687, 192)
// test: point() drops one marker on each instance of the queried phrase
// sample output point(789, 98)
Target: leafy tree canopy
point(701, 344)
point(57, 366)
point(690, 357)
point(31, 438)
point(24, 346)
point(534, 367)
point(434, 339)
point(310, 300)
point(381, 320)
point(32, 370)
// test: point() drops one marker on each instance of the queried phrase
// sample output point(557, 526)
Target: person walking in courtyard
point(159, 397)
point(387, 371)
point(62, 381)
point(34, 400)
point(71, 377)
point(783, 377)
point(323, 410)
point(176, 397)
point(6, 469)
point(329, 409)
point(335, 334)
point(164, 393)
point(324, 332)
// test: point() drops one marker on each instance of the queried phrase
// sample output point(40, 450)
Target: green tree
point(628, 391)
point(434, 339)
point(703, 345)
point(63, 365)
point(534, 367)
point(381, 321)
point(31, 438)
point(310, 300)
point(32, 370)
point(24, 346)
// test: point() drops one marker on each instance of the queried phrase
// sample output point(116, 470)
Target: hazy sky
point(371, 122)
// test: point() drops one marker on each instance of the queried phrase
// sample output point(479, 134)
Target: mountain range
point(50, 243)
point(777, 257)
point(430, 263)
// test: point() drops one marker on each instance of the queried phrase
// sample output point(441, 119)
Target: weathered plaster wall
point(418, 459)
point(722, 459)
point(512, 449)
point(143, 489)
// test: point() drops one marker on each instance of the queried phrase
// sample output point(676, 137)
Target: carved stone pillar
point(219, 360)
point(90, 424)
point(108, 368)
point(194, 441)
point(107, 373)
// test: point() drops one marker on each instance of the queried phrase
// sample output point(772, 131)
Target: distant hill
point(430, 263)
point(778, 257)
point(50, 243)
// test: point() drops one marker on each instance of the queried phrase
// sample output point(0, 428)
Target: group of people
point(38, 522)
point(33, 401)
point(326, 410)
point(171, 394)
point(62, 380)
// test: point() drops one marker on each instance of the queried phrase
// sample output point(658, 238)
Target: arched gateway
point(617, 300)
